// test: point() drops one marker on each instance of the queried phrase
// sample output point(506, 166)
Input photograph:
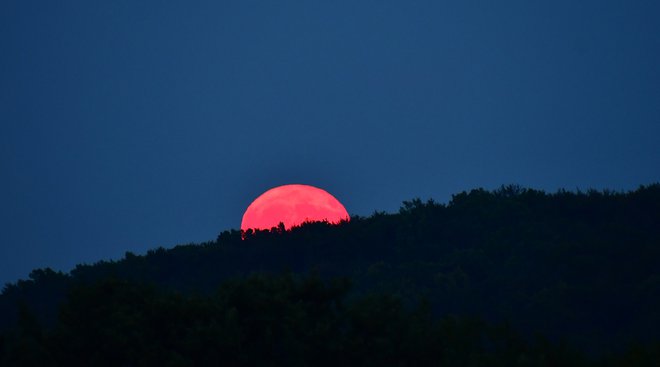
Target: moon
point(293, 205)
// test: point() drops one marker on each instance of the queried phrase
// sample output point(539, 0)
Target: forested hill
point(581, 268)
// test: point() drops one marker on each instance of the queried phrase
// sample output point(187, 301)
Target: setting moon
point(293, 205)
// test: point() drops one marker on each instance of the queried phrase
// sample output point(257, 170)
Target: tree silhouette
point(574, 266)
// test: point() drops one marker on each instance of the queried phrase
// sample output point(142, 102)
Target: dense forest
point(510, 277)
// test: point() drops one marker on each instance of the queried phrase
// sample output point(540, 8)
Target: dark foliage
point(264, 321)
point(582, 270)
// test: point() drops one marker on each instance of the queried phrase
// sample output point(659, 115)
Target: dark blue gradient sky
point(126, 125)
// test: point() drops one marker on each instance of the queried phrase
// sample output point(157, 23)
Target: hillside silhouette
point(510, 277)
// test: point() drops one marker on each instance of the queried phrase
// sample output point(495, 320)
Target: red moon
point(293, 205)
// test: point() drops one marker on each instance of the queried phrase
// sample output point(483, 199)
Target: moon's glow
point(293, 205)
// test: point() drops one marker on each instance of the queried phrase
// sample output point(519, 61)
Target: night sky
point(127, 125)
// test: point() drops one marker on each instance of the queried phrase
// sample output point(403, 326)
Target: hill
point(550, 275)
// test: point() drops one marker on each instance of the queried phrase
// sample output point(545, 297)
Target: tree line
point(570, 276)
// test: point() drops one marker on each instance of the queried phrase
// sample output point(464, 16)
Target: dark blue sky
point(126, 125)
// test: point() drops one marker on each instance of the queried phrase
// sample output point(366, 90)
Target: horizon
point(122, 256)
